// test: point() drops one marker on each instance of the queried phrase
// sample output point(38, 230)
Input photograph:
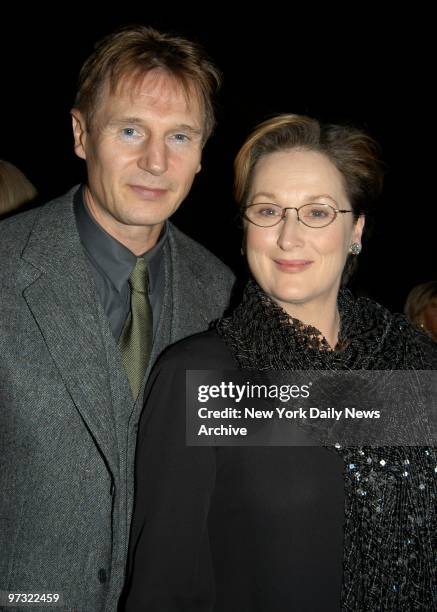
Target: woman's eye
point(318, 213)
point(267, 211)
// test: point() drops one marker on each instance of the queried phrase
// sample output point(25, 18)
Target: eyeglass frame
point(336, 211)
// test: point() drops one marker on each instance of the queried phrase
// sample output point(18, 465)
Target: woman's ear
point(357, 231)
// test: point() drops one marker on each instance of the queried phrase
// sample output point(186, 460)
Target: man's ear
point(199, 168)
point(79, 132)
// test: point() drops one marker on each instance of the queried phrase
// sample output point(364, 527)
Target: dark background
point(357, 66)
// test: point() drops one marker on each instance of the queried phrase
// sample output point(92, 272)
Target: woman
point(421, 308)
point(267, 529)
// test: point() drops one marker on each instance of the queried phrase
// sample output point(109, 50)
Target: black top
point(112, 263)
point(229, 529)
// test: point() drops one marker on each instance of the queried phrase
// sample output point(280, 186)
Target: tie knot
point(139, 279)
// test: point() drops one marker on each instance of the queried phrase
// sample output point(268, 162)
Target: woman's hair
point(418, 299)
point(135, 50)
point(353, 153)
point(15, 188)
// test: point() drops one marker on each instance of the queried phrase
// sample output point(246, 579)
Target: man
point(93, 286)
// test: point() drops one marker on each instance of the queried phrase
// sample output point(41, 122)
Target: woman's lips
point(293, 265)
point(148, 193)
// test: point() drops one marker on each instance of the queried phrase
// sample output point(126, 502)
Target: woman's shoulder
point(420, 349)
point(203, 351)
point(393, 332)
point(427, 347)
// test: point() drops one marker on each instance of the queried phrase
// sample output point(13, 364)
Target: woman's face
point(299, 266)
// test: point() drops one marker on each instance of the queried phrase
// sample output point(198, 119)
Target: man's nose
point(154, 156)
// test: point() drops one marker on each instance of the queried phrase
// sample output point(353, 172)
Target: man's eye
point(180, 137)
point(130, 132)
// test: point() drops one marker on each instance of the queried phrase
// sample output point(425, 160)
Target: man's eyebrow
point(125, 120)
point(183, 127)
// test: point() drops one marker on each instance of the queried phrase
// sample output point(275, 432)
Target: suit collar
point(54, 243)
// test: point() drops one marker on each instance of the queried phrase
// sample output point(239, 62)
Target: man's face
point(142, 152)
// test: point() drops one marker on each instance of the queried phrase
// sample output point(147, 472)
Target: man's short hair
point(133, 51)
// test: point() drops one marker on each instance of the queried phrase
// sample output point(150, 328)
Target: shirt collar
point(112, 258)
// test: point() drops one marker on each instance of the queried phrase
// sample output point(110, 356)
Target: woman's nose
point(290, 230)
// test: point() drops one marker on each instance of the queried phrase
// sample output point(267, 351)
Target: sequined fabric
point(391, 492)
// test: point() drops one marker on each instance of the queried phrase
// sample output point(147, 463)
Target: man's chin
point(145, 222)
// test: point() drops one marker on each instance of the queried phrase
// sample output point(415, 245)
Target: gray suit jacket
point(67, 419)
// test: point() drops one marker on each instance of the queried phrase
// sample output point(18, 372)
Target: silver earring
point(355, 248)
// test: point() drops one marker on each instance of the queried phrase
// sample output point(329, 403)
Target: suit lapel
point(189, 307)
point(62, 300)
point(183, 306)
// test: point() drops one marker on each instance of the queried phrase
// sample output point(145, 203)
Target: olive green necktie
point(135, 342)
